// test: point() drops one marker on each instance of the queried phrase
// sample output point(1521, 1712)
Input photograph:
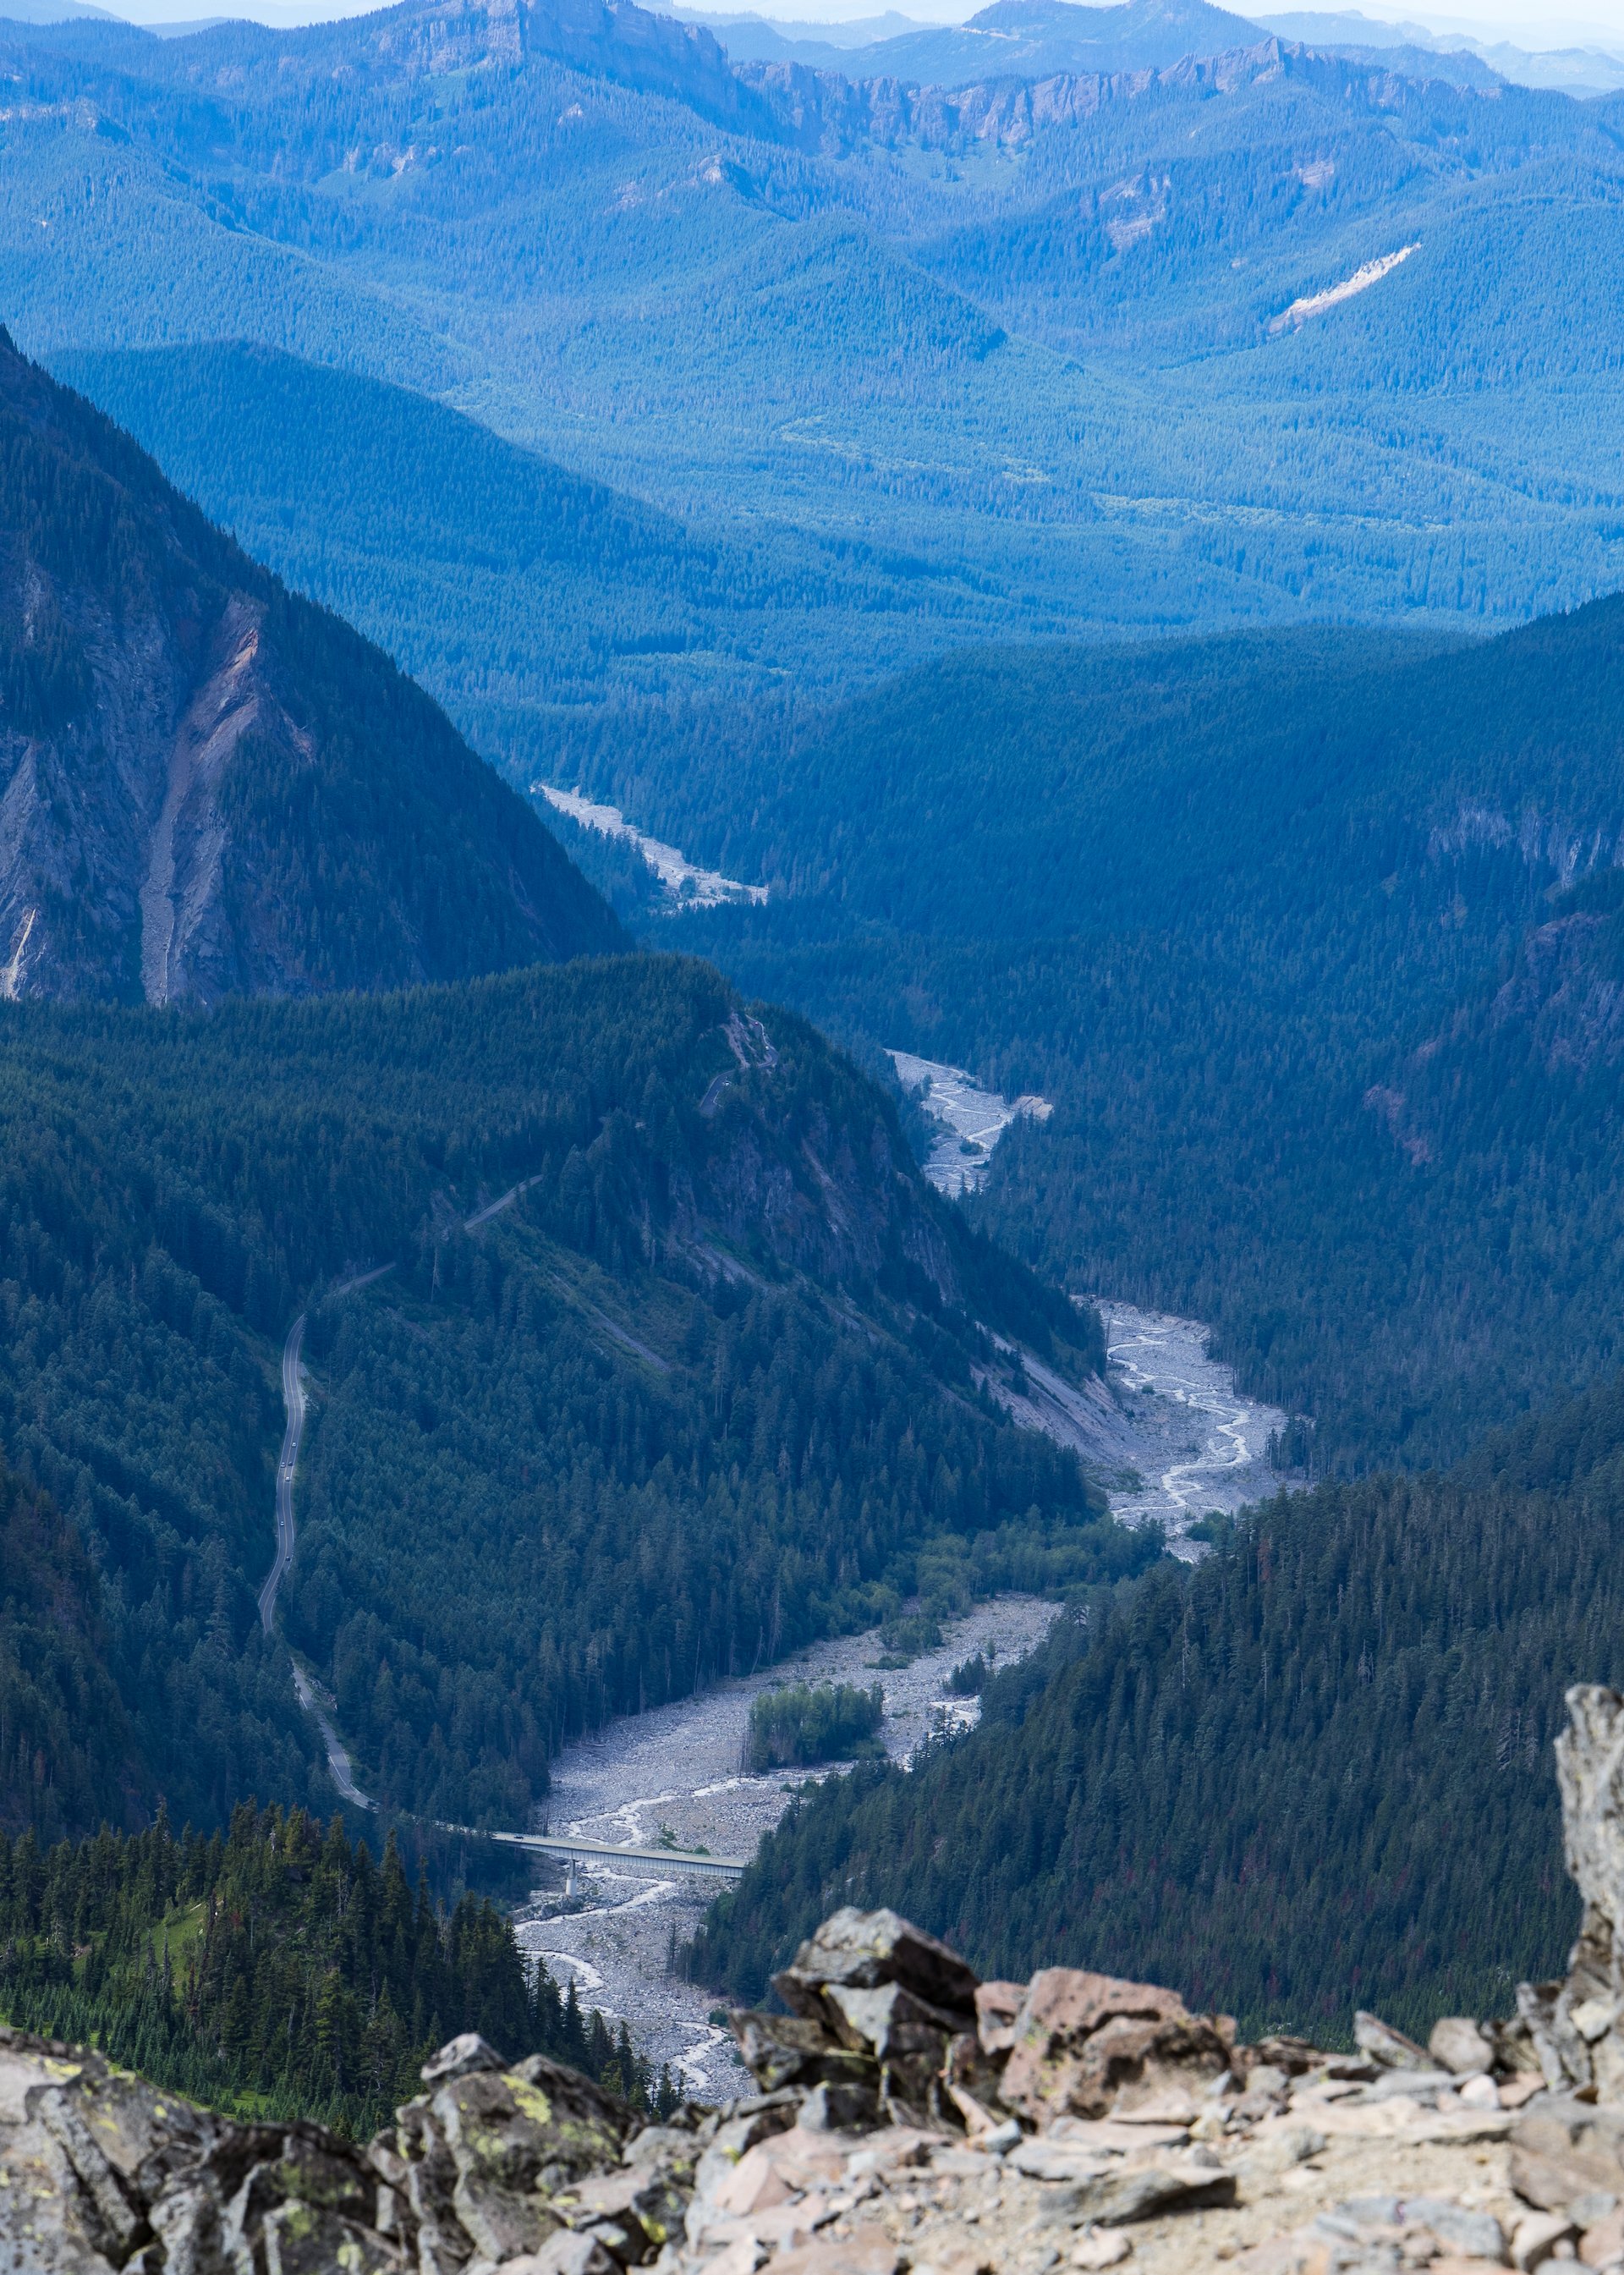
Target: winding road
point(293, 1399)
point(633, 1855)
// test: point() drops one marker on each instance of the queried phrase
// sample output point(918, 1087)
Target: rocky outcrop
point(1574, 2025)
point(910, 2121)
point(911, 2117)
point(210, 786)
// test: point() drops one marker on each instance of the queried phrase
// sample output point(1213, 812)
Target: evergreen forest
point(276, 1970)
point(1125, 548)
point(1310, 938)
point(633, 1429)
point(1310, 1773)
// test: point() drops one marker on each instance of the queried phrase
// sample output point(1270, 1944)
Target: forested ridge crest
point(705, 1389)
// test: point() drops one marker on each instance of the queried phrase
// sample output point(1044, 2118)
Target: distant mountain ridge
point(213, 786)
point(767, 321)
point(1042, 39)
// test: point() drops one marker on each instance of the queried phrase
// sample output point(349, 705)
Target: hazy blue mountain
point(553, 616)
point(211, 786)
point(1406, 46)
point(1039, 39)
point(57, 12)
point(762, 39)
point(1065, 338)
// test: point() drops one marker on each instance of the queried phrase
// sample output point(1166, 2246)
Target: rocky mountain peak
point(210, 786)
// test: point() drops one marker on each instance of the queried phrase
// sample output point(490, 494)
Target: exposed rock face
point(913, 2121)
point(1575, 2024)
point(207, 786)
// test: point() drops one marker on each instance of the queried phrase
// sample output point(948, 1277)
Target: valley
point(680, 1770)
point(696, 724)
point(682, 882)
point(970, 1120)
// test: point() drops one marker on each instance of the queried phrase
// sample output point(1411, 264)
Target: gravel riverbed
point(1196, 1444)
point(678, 1770)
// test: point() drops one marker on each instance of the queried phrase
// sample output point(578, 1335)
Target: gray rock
point(889, 2022)
point(1116, 2198)
point(48, 2225)
point(188, 2220)
point(1573, 2025)
point(460, 2058)
point(865, 1951)
point(1422, 2084)
point(841, 2109)
point(302, 2239)
point(1389, 2048)
point(517, 2139)
point(1295, 2056)
point(1459, 2046)
point(565, 2254)
point(1473, 2234)
point(800, 2050)
point(117, 2217)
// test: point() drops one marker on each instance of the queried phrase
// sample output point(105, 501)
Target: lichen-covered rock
point(1092, 2045)
point(866, 1950)
point(302, 2239)
point(99, 2171)
point(518, 2137)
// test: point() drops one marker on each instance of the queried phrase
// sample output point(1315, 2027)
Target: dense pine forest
point(1312, 1773)
point(703, 1390)
point(1297, 934)
point(276, 1970)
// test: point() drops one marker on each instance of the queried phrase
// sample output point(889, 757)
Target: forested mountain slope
point(207, 785)
point(1063, 339)
point(1315, 1768)
point(272, 1969)
point(707, 1388)
point(1277, 923)
point(550, 614)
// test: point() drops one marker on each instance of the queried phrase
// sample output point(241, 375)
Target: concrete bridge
point(656, 1862)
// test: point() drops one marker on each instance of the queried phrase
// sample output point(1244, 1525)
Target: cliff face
point(208, 786)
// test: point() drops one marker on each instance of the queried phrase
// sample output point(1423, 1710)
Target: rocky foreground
point(909, 2119)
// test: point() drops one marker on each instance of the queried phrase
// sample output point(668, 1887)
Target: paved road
point(338, 1758)
point(293, 1399)
point(668, 1860)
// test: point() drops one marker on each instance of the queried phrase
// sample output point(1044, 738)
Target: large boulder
point(1092, 2045)
point(517, 2139)
point(871, 1951)
point(876, 2007)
